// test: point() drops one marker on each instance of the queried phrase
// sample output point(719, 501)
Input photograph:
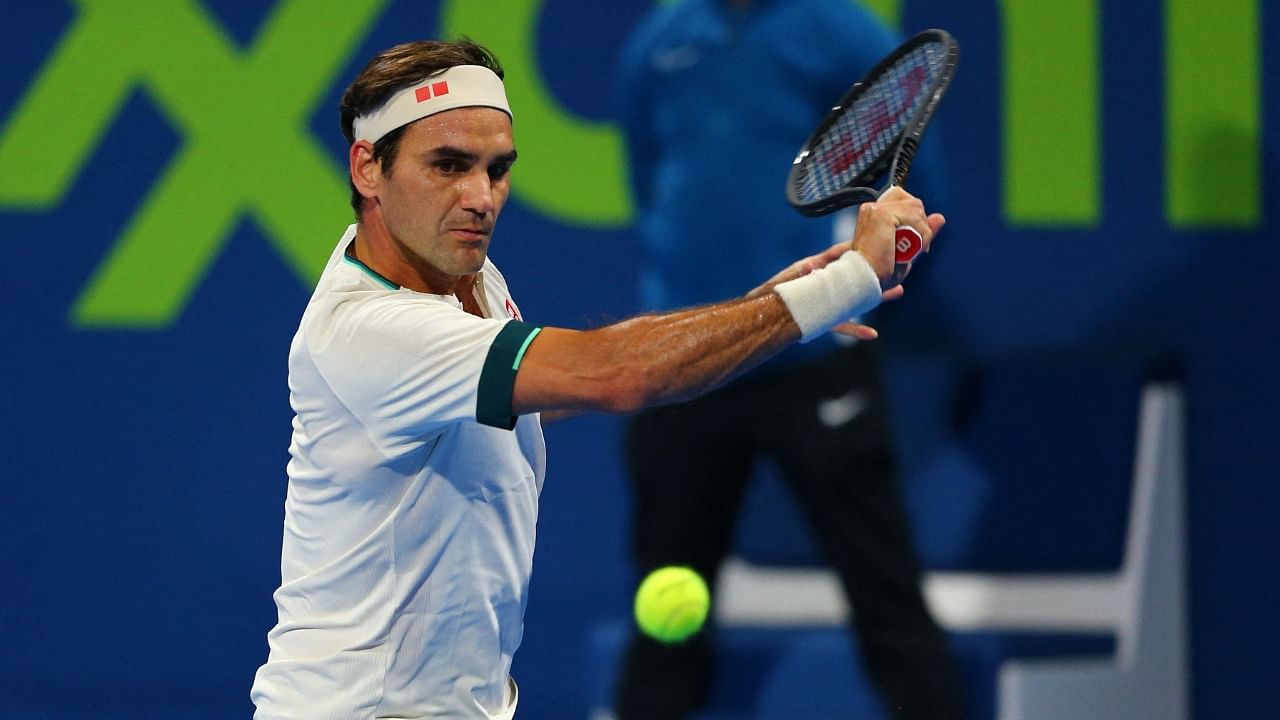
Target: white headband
point(459, 86)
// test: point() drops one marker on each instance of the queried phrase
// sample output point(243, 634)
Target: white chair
point(1143, 604)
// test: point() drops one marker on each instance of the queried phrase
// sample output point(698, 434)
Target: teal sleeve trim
point(515, 365)
point(498, 376)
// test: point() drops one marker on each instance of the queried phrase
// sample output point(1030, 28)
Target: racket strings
point(860, 138)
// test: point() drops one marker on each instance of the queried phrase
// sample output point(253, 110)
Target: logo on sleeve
point(513, 311)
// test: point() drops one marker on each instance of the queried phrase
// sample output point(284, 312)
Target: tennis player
point(417, 454)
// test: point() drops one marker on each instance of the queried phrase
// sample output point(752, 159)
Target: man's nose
point(477, 193)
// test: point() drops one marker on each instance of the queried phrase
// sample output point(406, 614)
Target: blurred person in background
point(715, 98)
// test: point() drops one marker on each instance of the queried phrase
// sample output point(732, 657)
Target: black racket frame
point(897, 156)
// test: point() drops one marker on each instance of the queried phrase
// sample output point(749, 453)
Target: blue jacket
point(715, 102)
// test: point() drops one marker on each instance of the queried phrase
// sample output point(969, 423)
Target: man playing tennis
point(417, 454)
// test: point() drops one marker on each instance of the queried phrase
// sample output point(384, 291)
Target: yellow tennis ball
point(672, 604)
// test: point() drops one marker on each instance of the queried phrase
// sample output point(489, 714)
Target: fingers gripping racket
point(874, 130)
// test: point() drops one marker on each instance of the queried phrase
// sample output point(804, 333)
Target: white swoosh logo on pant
point(835, 412)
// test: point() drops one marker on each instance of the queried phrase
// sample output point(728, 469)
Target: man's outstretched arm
point(670, 357)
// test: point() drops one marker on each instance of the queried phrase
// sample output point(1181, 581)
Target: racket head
point(876, 124)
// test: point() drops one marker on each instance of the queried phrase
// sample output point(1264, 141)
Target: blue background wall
point(143, 457)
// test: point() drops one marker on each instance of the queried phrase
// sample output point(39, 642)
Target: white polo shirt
point(412, 502)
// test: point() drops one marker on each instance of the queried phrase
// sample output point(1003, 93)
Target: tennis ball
point(672, 604)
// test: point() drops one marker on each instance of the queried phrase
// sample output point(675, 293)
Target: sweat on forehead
point(459, 86)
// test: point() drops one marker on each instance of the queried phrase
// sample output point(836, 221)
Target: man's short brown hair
point(396, 68)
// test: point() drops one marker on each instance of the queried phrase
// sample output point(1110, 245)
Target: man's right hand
point(877, 226)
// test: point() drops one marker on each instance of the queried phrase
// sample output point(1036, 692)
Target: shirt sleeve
point(632, 104)
point(406, 367)
point(498, 377)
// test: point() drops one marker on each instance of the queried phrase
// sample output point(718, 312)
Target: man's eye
point(452, 165)
point(499, 171)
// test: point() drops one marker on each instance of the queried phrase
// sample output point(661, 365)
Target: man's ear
point(366, 173)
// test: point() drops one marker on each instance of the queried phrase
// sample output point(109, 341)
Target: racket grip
point(907, 244)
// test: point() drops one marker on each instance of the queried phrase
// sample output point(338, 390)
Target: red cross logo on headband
point(426, 92)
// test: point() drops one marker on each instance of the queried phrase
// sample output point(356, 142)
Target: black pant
point(689, 465)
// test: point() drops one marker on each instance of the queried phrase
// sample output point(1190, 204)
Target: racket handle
point(907, 244)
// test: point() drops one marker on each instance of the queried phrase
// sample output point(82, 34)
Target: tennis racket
point(874, 130)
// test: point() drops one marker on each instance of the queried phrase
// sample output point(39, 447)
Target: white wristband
point(843, 289)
